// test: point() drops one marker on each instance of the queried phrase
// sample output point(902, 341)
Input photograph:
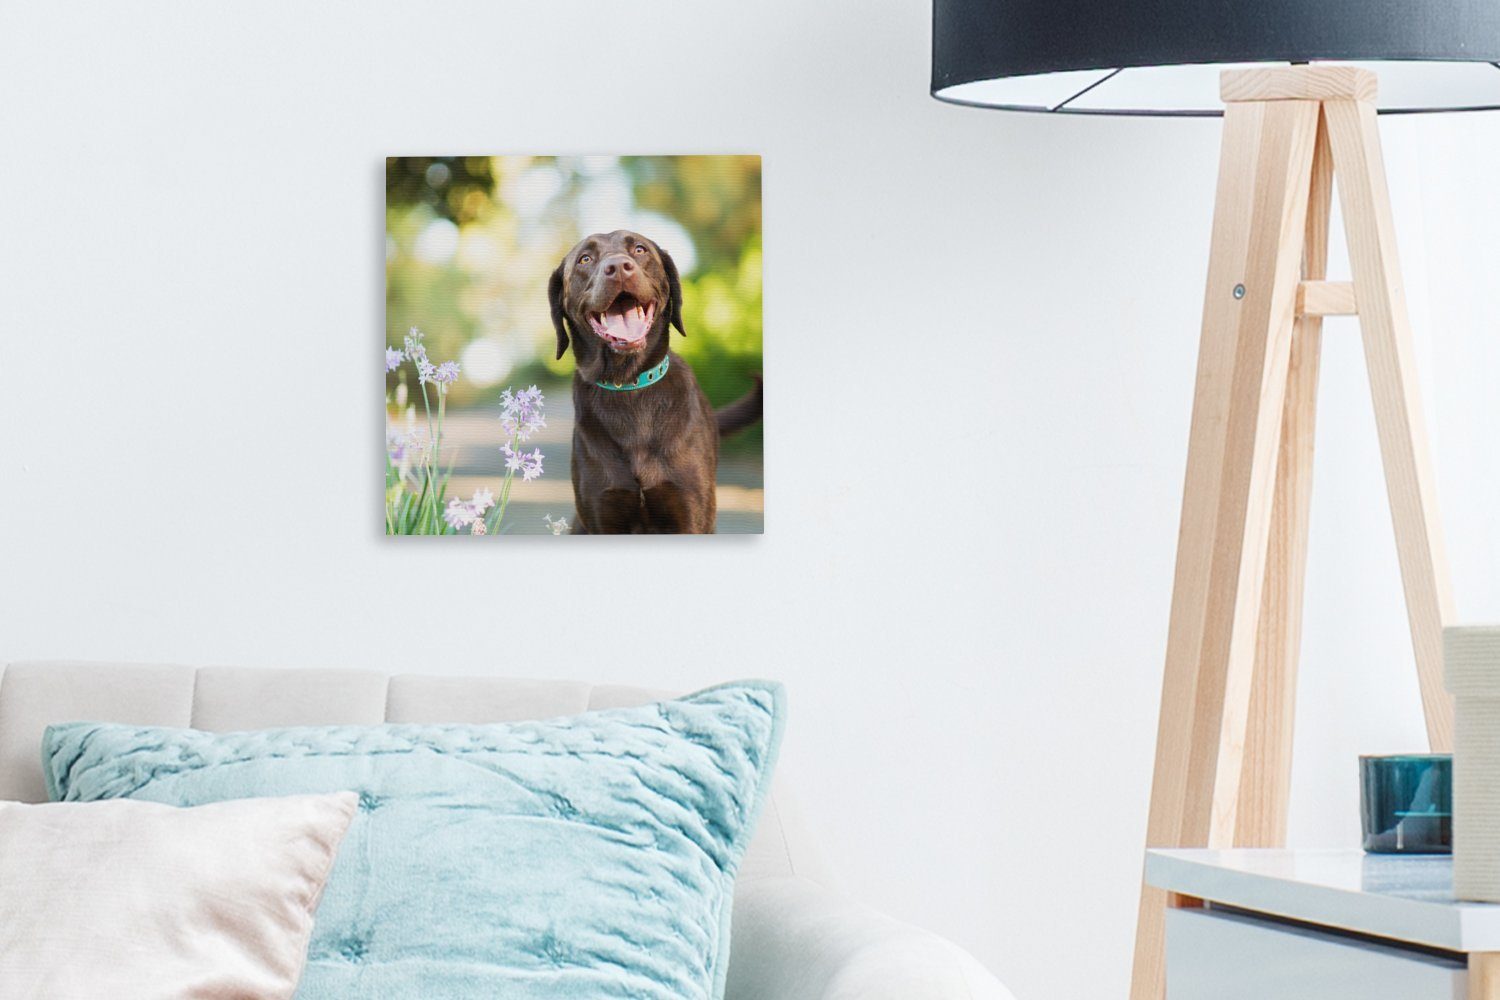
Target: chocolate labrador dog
point(645, 440)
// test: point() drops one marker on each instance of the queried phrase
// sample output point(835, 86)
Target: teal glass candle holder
point(1406, 803)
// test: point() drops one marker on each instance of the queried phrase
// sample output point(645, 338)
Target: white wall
point(981, 333)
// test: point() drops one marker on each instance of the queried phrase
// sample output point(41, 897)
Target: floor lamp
point(1296, 84)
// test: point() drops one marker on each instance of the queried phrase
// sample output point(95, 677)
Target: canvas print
point(573, 345)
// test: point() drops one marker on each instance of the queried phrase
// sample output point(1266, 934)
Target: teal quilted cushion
point(580, 858)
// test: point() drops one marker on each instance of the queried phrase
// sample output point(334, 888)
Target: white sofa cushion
point(143, 900)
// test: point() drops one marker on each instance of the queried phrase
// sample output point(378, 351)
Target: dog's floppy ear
point(674, 284)
point(559, 314)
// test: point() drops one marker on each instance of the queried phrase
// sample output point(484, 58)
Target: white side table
point(1322, 925)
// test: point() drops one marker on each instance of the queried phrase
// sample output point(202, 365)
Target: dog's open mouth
point(626, 322)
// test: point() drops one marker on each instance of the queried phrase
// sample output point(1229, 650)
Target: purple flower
point(521, 413)
point(425, 370)
point(393, 359)
point(528, 465)
point(459, 514)
point(446, 373)
point(414, 349)
point(559, 526)
point(469, 513)
point(402, 447)
point(533, 466)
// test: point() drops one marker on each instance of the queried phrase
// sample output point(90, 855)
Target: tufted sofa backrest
point(225, 699)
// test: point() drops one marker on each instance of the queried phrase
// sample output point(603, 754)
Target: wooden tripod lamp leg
point(1265, 782)
point(1244, 358)
point(1398, 407)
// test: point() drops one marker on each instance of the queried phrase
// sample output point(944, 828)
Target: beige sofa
point(792, 938)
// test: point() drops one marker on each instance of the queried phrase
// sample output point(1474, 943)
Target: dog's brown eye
point(640, 248)
point(585, 259)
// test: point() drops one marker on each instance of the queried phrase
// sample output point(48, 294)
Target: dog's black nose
point(618, 264)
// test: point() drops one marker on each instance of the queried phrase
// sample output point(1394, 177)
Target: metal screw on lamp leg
point(1239, 291)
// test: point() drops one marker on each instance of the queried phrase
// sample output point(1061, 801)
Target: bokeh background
point(470, 243)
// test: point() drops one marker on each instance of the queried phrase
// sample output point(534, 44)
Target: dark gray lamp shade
point(1162, 57)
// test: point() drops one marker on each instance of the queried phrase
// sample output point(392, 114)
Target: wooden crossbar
point(1326, 298)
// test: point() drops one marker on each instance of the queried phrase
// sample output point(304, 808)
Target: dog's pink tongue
point(629, 326)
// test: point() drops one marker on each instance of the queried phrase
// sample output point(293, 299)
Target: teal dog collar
point(648, 377)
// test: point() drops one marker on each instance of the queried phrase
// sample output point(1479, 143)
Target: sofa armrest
point(795, 940)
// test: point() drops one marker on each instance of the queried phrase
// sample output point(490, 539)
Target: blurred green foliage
point(715, 198)
point(453, 187)
point(471, 241)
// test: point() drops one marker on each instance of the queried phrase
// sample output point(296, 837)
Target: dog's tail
point(743, 411)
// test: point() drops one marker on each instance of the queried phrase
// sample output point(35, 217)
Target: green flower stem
point(419, 522)
point(389, 523)
point(498, 514)
point(437, 451)
point(427, 519)
point(510, 475)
